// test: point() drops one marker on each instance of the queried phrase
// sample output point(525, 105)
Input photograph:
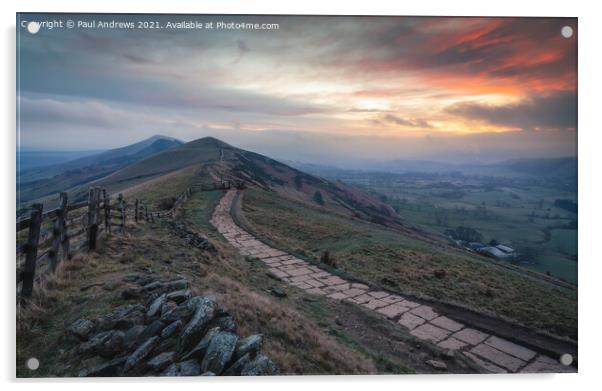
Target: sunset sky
point(316, 89)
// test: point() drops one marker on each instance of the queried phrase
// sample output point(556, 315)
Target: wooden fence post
point(122, 210)
point(31, 251)
point(136, 210)
point(93, 203)
point(107, 211)
point(65, 245)
point(57, 232)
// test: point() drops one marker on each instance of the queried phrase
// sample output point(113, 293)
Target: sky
point(317, 89)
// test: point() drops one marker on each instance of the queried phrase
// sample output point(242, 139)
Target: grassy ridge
point(381, 255)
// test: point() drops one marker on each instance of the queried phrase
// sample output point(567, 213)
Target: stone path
point(489, 352)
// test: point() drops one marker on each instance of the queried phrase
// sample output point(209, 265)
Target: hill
point(43, 181)
point(222, 161)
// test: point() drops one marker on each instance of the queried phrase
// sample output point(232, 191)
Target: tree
point(318, 198)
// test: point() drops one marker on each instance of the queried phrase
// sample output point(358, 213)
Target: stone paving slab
point(374, 304)
point(498, 357)
point(410, 321)
point(378, 294)
point(430, 333)
point(447, 323)
point(471, 336)
point(452, 344)
point(393, 299)
point(425, 312)
point(354, 292)
point(484, 364)
point(392, 310)
point(511, 348)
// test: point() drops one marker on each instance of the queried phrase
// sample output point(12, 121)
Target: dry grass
point(293, 341)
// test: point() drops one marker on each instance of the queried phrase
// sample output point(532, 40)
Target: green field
point(511, 212)
point(391, 259)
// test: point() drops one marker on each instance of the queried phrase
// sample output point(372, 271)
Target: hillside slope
point(39, 182)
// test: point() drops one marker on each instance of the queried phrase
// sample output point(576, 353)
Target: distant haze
point(339, 90)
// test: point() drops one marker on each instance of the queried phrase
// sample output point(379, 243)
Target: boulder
point(131, 336)
point(169, 312)
point(92, 345)
point(171, 329)
point(162, 361)
point(135, 359)
point(82, 328)
point(225, 323)
point(236, 368)
point(112, 345)
point(260, 366)
point(219, 352)
point(179, 296)
point(204, 312)
point(109, 369)
point(151, 330)
point(250, 345)
point(201, 348)
point(184, 368)
point(124, 317)
point(155, 308)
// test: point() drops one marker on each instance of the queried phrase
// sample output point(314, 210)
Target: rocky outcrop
point(172, 334)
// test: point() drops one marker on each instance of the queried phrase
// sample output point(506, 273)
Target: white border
point(590, 195)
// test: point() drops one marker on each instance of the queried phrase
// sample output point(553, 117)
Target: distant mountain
point(553, 167)
point(38, 182)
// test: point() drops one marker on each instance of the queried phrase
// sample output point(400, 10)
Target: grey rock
point(169, 312)
point(201, 348)
point(162, 361)
point(136, 358)
point(440, 365)
point(204, 312)
point(226, 323)
point(278, 292)
point(132, 335)
point(184, 368)
point(112, 345)
point(236, 368)
point(260, 366)
point(250, 345)
point(108, 369)
point(219, 352)
point(92, 345)
point(208, 374)
point(151, 330)
point(153, 286)
point(82, 328)
point(179, 296)
point(155, 307)
point(171, 329)
point(122, 318)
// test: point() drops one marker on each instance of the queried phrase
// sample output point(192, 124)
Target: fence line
point(101, 216)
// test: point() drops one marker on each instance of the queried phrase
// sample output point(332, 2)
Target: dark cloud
point(411, 122)
point(554, 111)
